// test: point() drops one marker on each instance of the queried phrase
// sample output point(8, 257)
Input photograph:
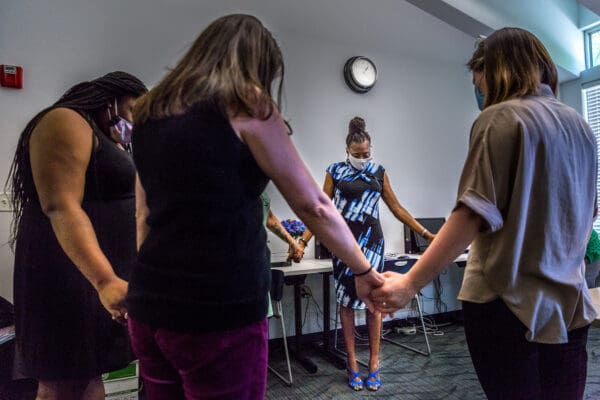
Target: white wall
point(419, 113)
point(570, 93)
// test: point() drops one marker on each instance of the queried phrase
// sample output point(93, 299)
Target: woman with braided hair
point(74, 237)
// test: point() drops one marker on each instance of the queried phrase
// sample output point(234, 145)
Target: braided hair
point(87, 98)
point(357, 132)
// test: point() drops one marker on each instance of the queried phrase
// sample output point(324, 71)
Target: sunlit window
point(591, 112)
point(593, 47)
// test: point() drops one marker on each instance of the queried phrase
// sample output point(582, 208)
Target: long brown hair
point(515, 63)
point(233, 62)
point(475, 64)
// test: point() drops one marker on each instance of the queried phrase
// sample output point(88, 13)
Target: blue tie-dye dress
point(356, 196)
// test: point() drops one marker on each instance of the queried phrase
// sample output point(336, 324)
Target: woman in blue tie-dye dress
point(356, 185)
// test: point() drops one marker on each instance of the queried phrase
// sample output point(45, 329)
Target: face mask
point(480, 98)
point(120, 128)
point(359, 163)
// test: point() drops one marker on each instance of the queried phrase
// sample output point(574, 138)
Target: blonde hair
point(516, 63)
point(233, 63)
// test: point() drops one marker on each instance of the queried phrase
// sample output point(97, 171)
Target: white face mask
point(359, 163)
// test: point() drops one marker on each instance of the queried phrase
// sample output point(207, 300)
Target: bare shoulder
point(244, 124)
point(64, 118)
point(62, 124)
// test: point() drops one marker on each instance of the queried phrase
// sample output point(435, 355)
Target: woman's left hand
point(112, 296)
point(394, 294)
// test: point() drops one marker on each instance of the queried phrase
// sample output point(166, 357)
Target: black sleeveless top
point(63, 332)
point(203, 265)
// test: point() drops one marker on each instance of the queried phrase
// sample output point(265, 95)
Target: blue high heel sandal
point(354, 380)
point(373, 381)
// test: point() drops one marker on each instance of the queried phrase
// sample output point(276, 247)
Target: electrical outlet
point(5, 205)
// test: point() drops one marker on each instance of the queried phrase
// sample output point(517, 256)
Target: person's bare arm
point(389, 197)
point(274, 152)
point(328, 188)
point(458, 232)
point(60, 147)
point(141, 213)
point(274, 225)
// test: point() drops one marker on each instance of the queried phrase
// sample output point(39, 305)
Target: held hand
point(365, 284)
point(394, 294)
point(301, 244)
point(112, 296)
point(295, 252)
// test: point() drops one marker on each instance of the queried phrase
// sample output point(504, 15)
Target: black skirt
point(62, 329)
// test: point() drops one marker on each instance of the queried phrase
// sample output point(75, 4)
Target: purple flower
point(294, 227)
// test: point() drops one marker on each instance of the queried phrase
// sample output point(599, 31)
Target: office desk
point(461, 260)
point(296, 275)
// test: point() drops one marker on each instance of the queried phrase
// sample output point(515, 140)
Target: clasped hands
point(296, 251)
point(386, 292)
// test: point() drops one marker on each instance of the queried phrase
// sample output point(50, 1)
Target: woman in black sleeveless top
point(73, 187)
point(207, 140)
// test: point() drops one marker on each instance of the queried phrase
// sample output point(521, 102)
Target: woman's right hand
point(112, 296)
point(365, 284)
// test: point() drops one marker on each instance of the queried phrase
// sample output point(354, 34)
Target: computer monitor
point(415, 243)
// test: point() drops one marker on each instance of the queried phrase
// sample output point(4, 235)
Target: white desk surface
point(461, 258)
point(307, 266)
point(313, 266)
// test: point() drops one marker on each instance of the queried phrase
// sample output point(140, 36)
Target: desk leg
point(326, 348)
point(297, 352)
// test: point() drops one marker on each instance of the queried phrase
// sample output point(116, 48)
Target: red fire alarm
point(11, 76)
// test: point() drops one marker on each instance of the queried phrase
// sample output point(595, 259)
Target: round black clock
point(360, 74)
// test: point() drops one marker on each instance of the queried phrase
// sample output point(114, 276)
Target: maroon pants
point(223, 365)
point(510, 367)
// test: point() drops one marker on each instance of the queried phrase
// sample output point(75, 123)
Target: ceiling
point(593, 5)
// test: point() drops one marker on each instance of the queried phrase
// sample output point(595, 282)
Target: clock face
point(360, 74)
point(363, 72)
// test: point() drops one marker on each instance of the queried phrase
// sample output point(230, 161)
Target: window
point(593, 47)
point(591, 112)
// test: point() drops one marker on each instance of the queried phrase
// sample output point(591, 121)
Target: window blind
point(591, 110)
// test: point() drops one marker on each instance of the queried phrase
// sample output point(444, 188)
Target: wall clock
point(360, 74)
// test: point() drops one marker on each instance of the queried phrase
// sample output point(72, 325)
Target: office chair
point(277, 278)
point(400, 266)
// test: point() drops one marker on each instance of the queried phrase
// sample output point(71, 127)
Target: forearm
point(279, 231)
point(458, 232)
point(406, 218)
point(142, 230)
point(325, 222)
point(306, 236)
point(76, 236)
point(141, 213)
